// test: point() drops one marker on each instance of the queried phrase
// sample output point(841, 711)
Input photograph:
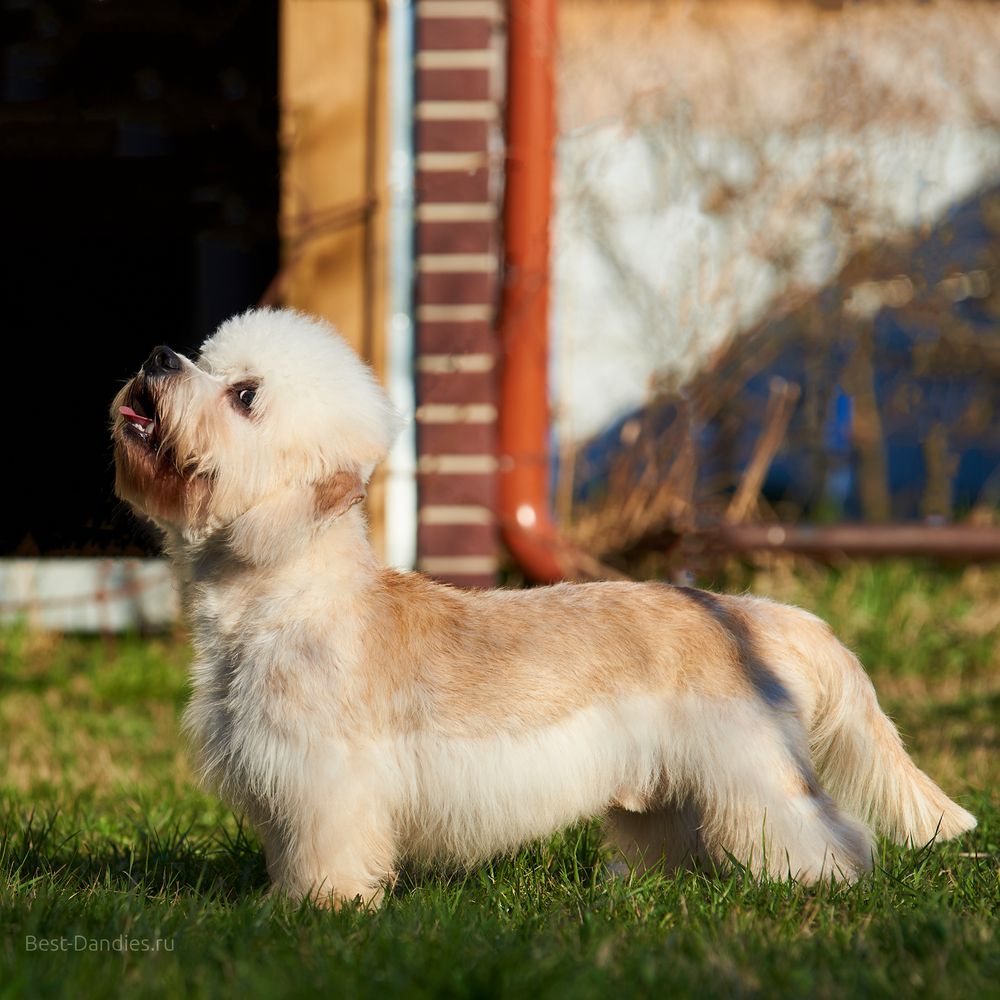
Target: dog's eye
point(242, 396)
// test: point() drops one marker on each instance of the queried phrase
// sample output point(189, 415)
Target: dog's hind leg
point(666, 837)
point(764, 807)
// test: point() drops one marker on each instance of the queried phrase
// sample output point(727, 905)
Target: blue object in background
point(934, 368)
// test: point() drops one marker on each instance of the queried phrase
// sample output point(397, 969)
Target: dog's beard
point(147, 473)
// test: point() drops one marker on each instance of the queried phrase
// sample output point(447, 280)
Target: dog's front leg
point(334, 851)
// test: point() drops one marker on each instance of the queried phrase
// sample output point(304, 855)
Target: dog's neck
point(338, 550)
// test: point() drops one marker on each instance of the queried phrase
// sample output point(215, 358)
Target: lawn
point(120, 876)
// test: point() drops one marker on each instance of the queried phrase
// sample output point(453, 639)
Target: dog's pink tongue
point(129, 414)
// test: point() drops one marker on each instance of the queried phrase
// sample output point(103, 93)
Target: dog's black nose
point(162, 361)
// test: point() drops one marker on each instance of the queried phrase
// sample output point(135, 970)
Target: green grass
point(104, 835)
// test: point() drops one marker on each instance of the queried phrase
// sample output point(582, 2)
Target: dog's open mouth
point(140, 417)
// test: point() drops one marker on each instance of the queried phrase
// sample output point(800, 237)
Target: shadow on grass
point(155, 862)
point(574, 857)
point(165, 859)
point(226, 866)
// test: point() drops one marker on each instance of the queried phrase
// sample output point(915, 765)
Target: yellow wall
point(333, 198)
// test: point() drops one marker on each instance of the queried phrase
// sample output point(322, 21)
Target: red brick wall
point(458, 142)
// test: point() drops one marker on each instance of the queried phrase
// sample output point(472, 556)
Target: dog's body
point(362, 716)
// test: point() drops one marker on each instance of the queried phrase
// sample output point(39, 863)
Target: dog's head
point(272, 432)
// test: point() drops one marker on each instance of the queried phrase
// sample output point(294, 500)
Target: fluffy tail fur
point(862, 762)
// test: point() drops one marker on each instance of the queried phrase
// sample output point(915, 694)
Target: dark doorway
point(139, 185)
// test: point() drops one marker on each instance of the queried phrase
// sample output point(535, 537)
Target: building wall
point(718, 161)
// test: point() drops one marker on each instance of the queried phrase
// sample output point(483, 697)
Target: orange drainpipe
point(524, 503)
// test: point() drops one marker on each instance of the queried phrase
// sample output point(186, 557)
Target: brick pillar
point(458, 142)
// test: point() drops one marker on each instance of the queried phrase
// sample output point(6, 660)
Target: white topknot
point(314, 390)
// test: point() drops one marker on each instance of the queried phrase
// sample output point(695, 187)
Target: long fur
point(362, 717)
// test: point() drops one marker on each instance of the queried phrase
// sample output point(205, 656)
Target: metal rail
point(959, 542)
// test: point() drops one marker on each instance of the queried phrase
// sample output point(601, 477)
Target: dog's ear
point(289, 520)
point(337, 494)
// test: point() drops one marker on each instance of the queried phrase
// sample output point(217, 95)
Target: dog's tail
point(862, 762)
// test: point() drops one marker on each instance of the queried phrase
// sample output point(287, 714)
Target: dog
point(362, 717)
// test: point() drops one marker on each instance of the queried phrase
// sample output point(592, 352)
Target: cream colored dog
point(362, 716)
